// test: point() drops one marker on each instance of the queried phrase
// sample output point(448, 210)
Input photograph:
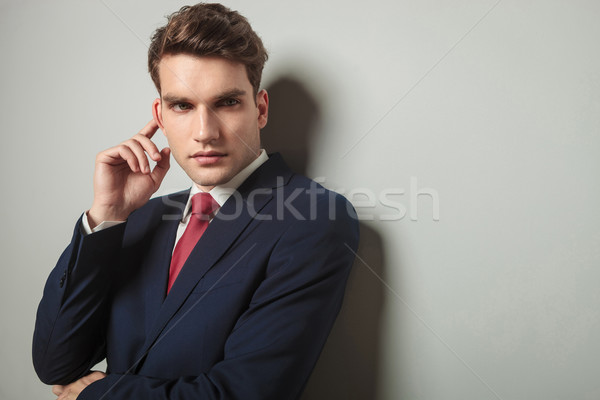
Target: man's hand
point(123, 180)
point(72, 390)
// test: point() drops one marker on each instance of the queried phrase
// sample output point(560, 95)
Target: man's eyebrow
point(172, 98)
point(227, 94)
point(230, 93)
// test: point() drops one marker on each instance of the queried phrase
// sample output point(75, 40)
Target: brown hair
point(209, 30)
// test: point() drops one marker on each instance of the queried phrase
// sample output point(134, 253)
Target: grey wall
point(486, 112)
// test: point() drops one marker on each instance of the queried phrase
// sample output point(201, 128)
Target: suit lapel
point(229, 223)
point(159, 256)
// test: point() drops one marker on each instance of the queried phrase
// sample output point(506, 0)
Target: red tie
point(203, 206)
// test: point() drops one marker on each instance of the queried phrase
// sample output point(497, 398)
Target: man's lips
point(208, 157)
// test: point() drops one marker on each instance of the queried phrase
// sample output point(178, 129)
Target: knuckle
point(139, 137)
point(129, 142)
point(122, 145)
point(129, 146)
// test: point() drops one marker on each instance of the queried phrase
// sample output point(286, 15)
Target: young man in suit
point(234, 301)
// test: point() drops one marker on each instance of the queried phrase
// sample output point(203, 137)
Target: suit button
point(62, 282)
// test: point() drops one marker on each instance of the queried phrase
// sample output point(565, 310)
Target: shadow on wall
point(293, 113)
point(349, 365)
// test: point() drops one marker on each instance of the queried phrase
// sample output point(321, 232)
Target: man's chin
point(211, 176)
point(204, 182)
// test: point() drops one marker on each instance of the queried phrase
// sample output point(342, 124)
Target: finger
point(148, 145)
point(150, 129)
point(161, 168)
point(57, 389)
point(64, 395)
point(139, 154)
point(124, 153)
point(118, 155)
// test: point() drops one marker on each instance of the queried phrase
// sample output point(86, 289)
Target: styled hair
point(209, 30)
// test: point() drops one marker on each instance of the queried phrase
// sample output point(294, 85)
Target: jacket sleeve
point(72, 315)
point(277, 340)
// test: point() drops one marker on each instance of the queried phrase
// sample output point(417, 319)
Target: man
point(234, 301)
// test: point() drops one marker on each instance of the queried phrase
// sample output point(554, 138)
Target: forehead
point(202, 76)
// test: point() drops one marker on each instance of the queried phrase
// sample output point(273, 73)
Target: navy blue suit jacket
point(246, 318)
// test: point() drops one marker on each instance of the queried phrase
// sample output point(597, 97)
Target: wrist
point(98, 215)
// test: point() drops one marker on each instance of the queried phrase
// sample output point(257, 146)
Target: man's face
point(209, 115)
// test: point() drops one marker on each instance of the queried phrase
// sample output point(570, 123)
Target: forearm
point(69, 331)
point(272, 349)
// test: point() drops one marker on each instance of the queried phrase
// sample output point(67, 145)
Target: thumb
point(58, 389)
point(161, 167)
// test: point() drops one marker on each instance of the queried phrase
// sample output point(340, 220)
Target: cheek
point(249, 126)
point(177, 151)
point(168, 125)
point(175, 140)
point(174, 131)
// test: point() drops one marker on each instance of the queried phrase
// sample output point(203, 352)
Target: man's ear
point(262, 104)
point(157, 114)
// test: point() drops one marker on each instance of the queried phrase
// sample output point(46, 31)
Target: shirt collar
point(222, 192)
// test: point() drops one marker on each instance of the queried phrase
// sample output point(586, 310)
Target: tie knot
point(203, 205)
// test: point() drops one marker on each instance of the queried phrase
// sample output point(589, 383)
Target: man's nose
point(207, 126)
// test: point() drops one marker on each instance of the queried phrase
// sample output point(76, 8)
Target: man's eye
point(230, 102)
point(181, 107)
